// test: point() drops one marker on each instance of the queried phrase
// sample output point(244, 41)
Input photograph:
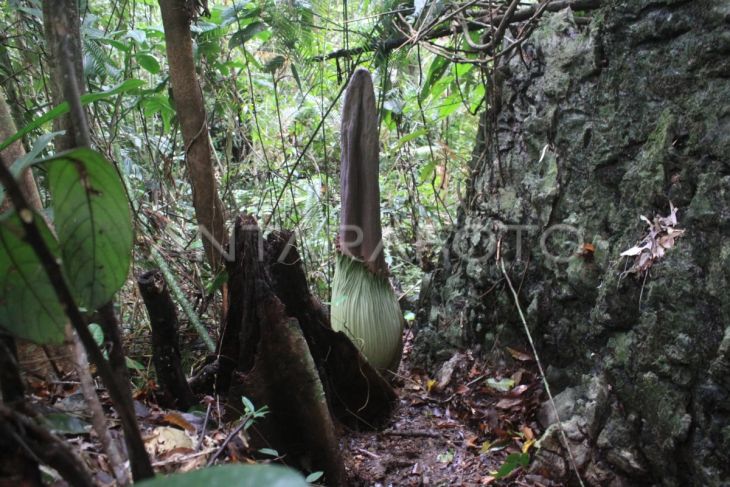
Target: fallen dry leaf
point(508, 403)
point(471, 441)
point(518, 355)
point(527, 445)
point(165, 438)
point(176, 419)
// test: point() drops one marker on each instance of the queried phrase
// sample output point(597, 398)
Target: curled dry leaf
point(660, 237)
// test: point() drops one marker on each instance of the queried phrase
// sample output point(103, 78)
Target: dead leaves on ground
point(497, 406)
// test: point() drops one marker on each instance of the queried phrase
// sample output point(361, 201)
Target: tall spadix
point(364, 305)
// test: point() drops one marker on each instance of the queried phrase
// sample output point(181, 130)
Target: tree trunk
point(174, 388)
point(274, 364)
point(61, 25)
point(35, 361)
point(16, 151)
point(595, 126)
point(66, 14)
point(188, 101)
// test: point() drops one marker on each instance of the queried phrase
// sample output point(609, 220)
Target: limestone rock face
point(598, 124)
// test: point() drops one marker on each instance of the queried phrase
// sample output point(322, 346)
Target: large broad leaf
point(148, 62)
point(232, 476)
point(435, 72)
point(92, 220)
point(28, 304)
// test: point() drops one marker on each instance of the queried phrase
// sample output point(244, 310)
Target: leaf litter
point(474, 424)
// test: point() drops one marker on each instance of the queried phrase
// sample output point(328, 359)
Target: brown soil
point(455, 430)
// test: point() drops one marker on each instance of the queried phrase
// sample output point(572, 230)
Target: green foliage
point(512, 462)
point(273, 116)
point(62, 109)
point(182, 300)
point(28, 305)
point(94, 245)
point(232, 476)
point(92, 220)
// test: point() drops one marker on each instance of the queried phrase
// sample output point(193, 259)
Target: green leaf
point(435, 72)
point(62, 109)
point(133, 364)
point(426, 172)
point(314, 476)
point(32, 157)
point(461, 69)
point(29, 307)
point(232, 476)
point(502, 385)
point(93, 223)
point(217, 282)
point(295, 73)
point(446, 457)
point(269, 451)
point(137, 35)
point(148, 62)
point(114, 43)
point(247, 405)
point(450, 105)
point(158, 104)
point(513, 461)
point(246, 34)
point(97, 333)
point(407, 138)
point(477, 97)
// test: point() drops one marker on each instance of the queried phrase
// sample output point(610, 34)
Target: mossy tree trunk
point(596, 125)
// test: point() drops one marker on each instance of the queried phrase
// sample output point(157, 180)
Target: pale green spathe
point(364, 306)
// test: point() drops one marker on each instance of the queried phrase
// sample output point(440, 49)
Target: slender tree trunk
point(16, 150)
point(64, 24)
point(188, 99)
point(42, 362)
point(11, 88)
point(61, 23)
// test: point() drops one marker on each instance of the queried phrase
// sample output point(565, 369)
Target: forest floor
point(473, 424)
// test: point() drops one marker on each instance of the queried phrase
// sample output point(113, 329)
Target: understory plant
point(364, 305)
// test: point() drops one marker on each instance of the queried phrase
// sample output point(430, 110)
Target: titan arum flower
point(364, 305)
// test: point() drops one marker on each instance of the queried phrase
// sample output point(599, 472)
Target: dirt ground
point(457, 428)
